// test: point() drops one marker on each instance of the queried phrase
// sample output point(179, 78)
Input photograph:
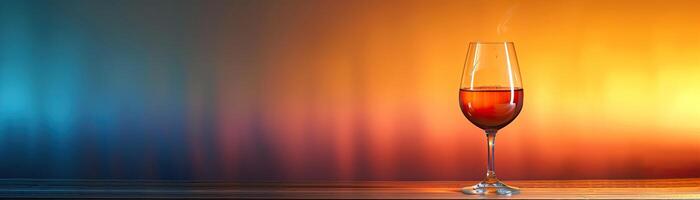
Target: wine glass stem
point(490, 167)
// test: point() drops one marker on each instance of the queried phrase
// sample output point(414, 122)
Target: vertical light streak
point(510, 74)
point(474, 65)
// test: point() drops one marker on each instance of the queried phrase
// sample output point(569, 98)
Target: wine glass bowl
point(490, 97)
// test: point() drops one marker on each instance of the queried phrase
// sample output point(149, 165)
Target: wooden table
point(576, 189)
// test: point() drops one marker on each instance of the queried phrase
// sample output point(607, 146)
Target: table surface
point(546, 189)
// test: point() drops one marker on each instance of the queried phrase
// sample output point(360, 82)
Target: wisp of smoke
point(502, 26)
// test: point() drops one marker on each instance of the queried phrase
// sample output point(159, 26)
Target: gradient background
point(343, 90)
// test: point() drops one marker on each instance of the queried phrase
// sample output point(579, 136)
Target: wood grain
point(574, 189)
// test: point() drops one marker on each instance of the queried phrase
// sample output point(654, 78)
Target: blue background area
point(94, 89)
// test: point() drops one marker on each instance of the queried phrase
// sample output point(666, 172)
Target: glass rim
point(479, 42)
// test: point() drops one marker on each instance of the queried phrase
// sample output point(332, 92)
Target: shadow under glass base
point(496, 187)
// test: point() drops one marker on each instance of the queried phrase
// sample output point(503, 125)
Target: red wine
point(491, 108)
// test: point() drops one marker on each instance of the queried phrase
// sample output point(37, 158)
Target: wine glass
point(491, 96)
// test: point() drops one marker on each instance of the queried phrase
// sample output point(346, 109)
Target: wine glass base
point(497, 187)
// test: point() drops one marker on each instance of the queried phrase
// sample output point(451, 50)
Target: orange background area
point(368, 89)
